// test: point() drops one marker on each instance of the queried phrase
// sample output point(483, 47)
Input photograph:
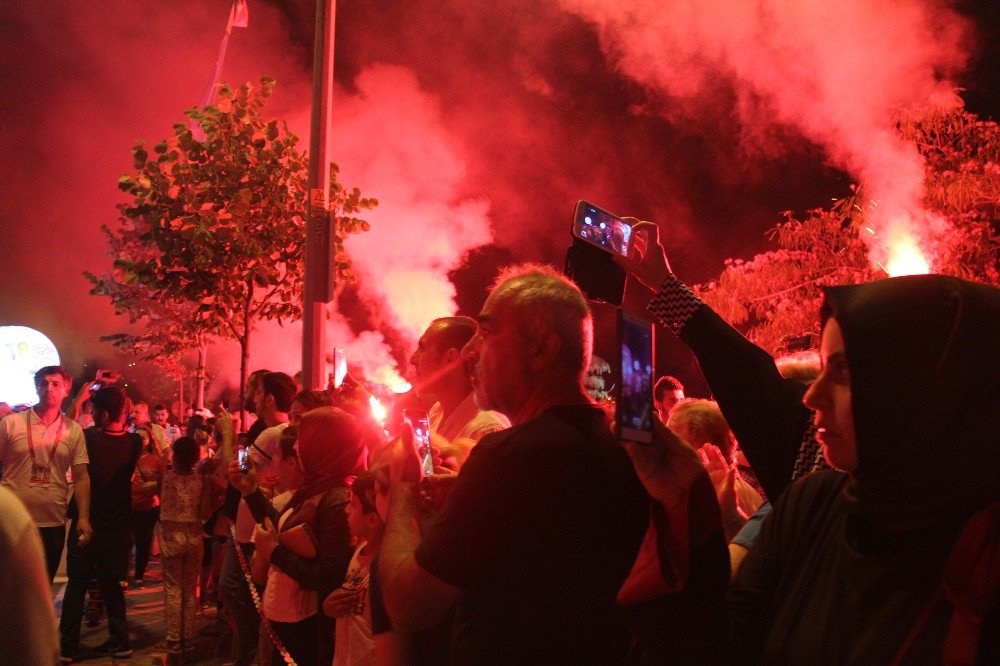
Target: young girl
point(146, 484)
point(184, 504)
point(349, 603)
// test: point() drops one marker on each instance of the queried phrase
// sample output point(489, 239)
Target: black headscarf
point(924, 357)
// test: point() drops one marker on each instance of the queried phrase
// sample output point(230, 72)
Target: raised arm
point(764, 410)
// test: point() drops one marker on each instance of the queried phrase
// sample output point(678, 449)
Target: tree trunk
point(244, 368)
point(182, 408)
point(245, 356)
point(202, 357)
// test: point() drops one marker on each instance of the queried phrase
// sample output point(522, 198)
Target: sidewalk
point(147, 627)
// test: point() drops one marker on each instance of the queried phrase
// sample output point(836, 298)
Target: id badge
point(39, 476)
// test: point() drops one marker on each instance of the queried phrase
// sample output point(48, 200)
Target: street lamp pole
point(318, 289)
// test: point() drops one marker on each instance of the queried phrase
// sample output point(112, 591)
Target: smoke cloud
point(837, 72)
point(473, 123)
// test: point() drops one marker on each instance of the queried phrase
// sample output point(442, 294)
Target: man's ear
point(544, 349)
point(452, 355)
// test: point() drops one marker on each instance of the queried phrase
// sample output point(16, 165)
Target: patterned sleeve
point(674, 304)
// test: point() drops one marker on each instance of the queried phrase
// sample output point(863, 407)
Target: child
point(184, 504)
point(349, 604)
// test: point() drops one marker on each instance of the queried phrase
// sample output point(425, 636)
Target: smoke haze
point(474, 124)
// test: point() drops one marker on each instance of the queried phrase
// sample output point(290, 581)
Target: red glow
point(378, 409)
point(906, 258)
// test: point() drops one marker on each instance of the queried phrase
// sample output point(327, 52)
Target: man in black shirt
point(546, 518)
point(113, 453)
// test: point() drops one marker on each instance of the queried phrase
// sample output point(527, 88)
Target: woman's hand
point(245, 483)
point(340, 602)
point(265, 537)
point(649, 262)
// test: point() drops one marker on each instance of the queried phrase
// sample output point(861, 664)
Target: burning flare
point(905, 258)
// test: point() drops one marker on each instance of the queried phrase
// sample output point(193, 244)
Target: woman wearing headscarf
point(332, 453)
point(896, 558)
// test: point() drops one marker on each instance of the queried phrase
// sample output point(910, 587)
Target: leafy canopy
point(776, 295)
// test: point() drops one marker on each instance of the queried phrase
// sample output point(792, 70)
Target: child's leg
point(172, 580)
point(192, 569)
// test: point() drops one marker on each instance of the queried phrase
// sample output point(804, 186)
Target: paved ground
point(147, 628)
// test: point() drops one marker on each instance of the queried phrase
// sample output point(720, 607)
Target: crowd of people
point(848, 514)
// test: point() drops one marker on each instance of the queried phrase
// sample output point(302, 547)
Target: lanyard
point(31, 443)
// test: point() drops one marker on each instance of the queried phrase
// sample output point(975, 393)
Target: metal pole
point(318, 287)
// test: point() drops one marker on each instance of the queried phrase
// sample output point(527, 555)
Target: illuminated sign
point(23, 351)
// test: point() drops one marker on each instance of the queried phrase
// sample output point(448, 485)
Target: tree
point(223, 212)
point(776, 295)
point(172, 327)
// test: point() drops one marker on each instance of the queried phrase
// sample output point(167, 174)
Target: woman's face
point(830, 397)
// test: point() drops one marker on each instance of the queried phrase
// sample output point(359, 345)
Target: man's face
point(670, 398)
point(160, 416)
point(253, 388)
point(52, 390)
point(141, 414)
point(830, 396)
point(498, 356)
point(428, 361)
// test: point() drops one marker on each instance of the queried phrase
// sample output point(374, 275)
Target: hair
point(194, 422)
point(311, 399)
point(53, 370)
point(282, 387)
point(109, 404)
point(289, 436)
point(664, 384)
point(203, 434)
point(545, 300)
point(364, 489)
point(452, 332)
point(804, 366)
point(706, 422)
point(186, 452)
point(158, 406)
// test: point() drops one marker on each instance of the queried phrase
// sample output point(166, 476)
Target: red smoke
point(838, 72)
point(469, 120)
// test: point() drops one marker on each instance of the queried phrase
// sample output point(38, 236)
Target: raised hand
point(649, 262)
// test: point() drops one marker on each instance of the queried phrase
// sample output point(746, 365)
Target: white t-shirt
point(284, 599)
point(466, 422)
point(28, 629)
point(265, 449)
point(40, 483)
point(353, 636)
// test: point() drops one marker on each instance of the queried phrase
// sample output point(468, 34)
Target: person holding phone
point(545, 518)
point(443, 378)
point(332, 454)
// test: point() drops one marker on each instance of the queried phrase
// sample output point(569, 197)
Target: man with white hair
point(545, 519)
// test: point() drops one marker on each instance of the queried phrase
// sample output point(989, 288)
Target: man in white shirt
point(38, 448)
point(161, 417)
point(142, 421)
point(441, 375)
point(271, 401)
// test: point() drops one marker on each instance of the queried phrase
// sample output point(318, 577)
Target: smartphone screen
point(417, 420)
point(243, 458)
point(599, 227)
point(635, 409)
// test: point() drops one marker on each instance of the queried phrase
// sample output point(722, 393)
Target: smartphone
point(418, 422)
point(602, 229)
point(243, 458)
point(635, 403)
point(339, 366)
